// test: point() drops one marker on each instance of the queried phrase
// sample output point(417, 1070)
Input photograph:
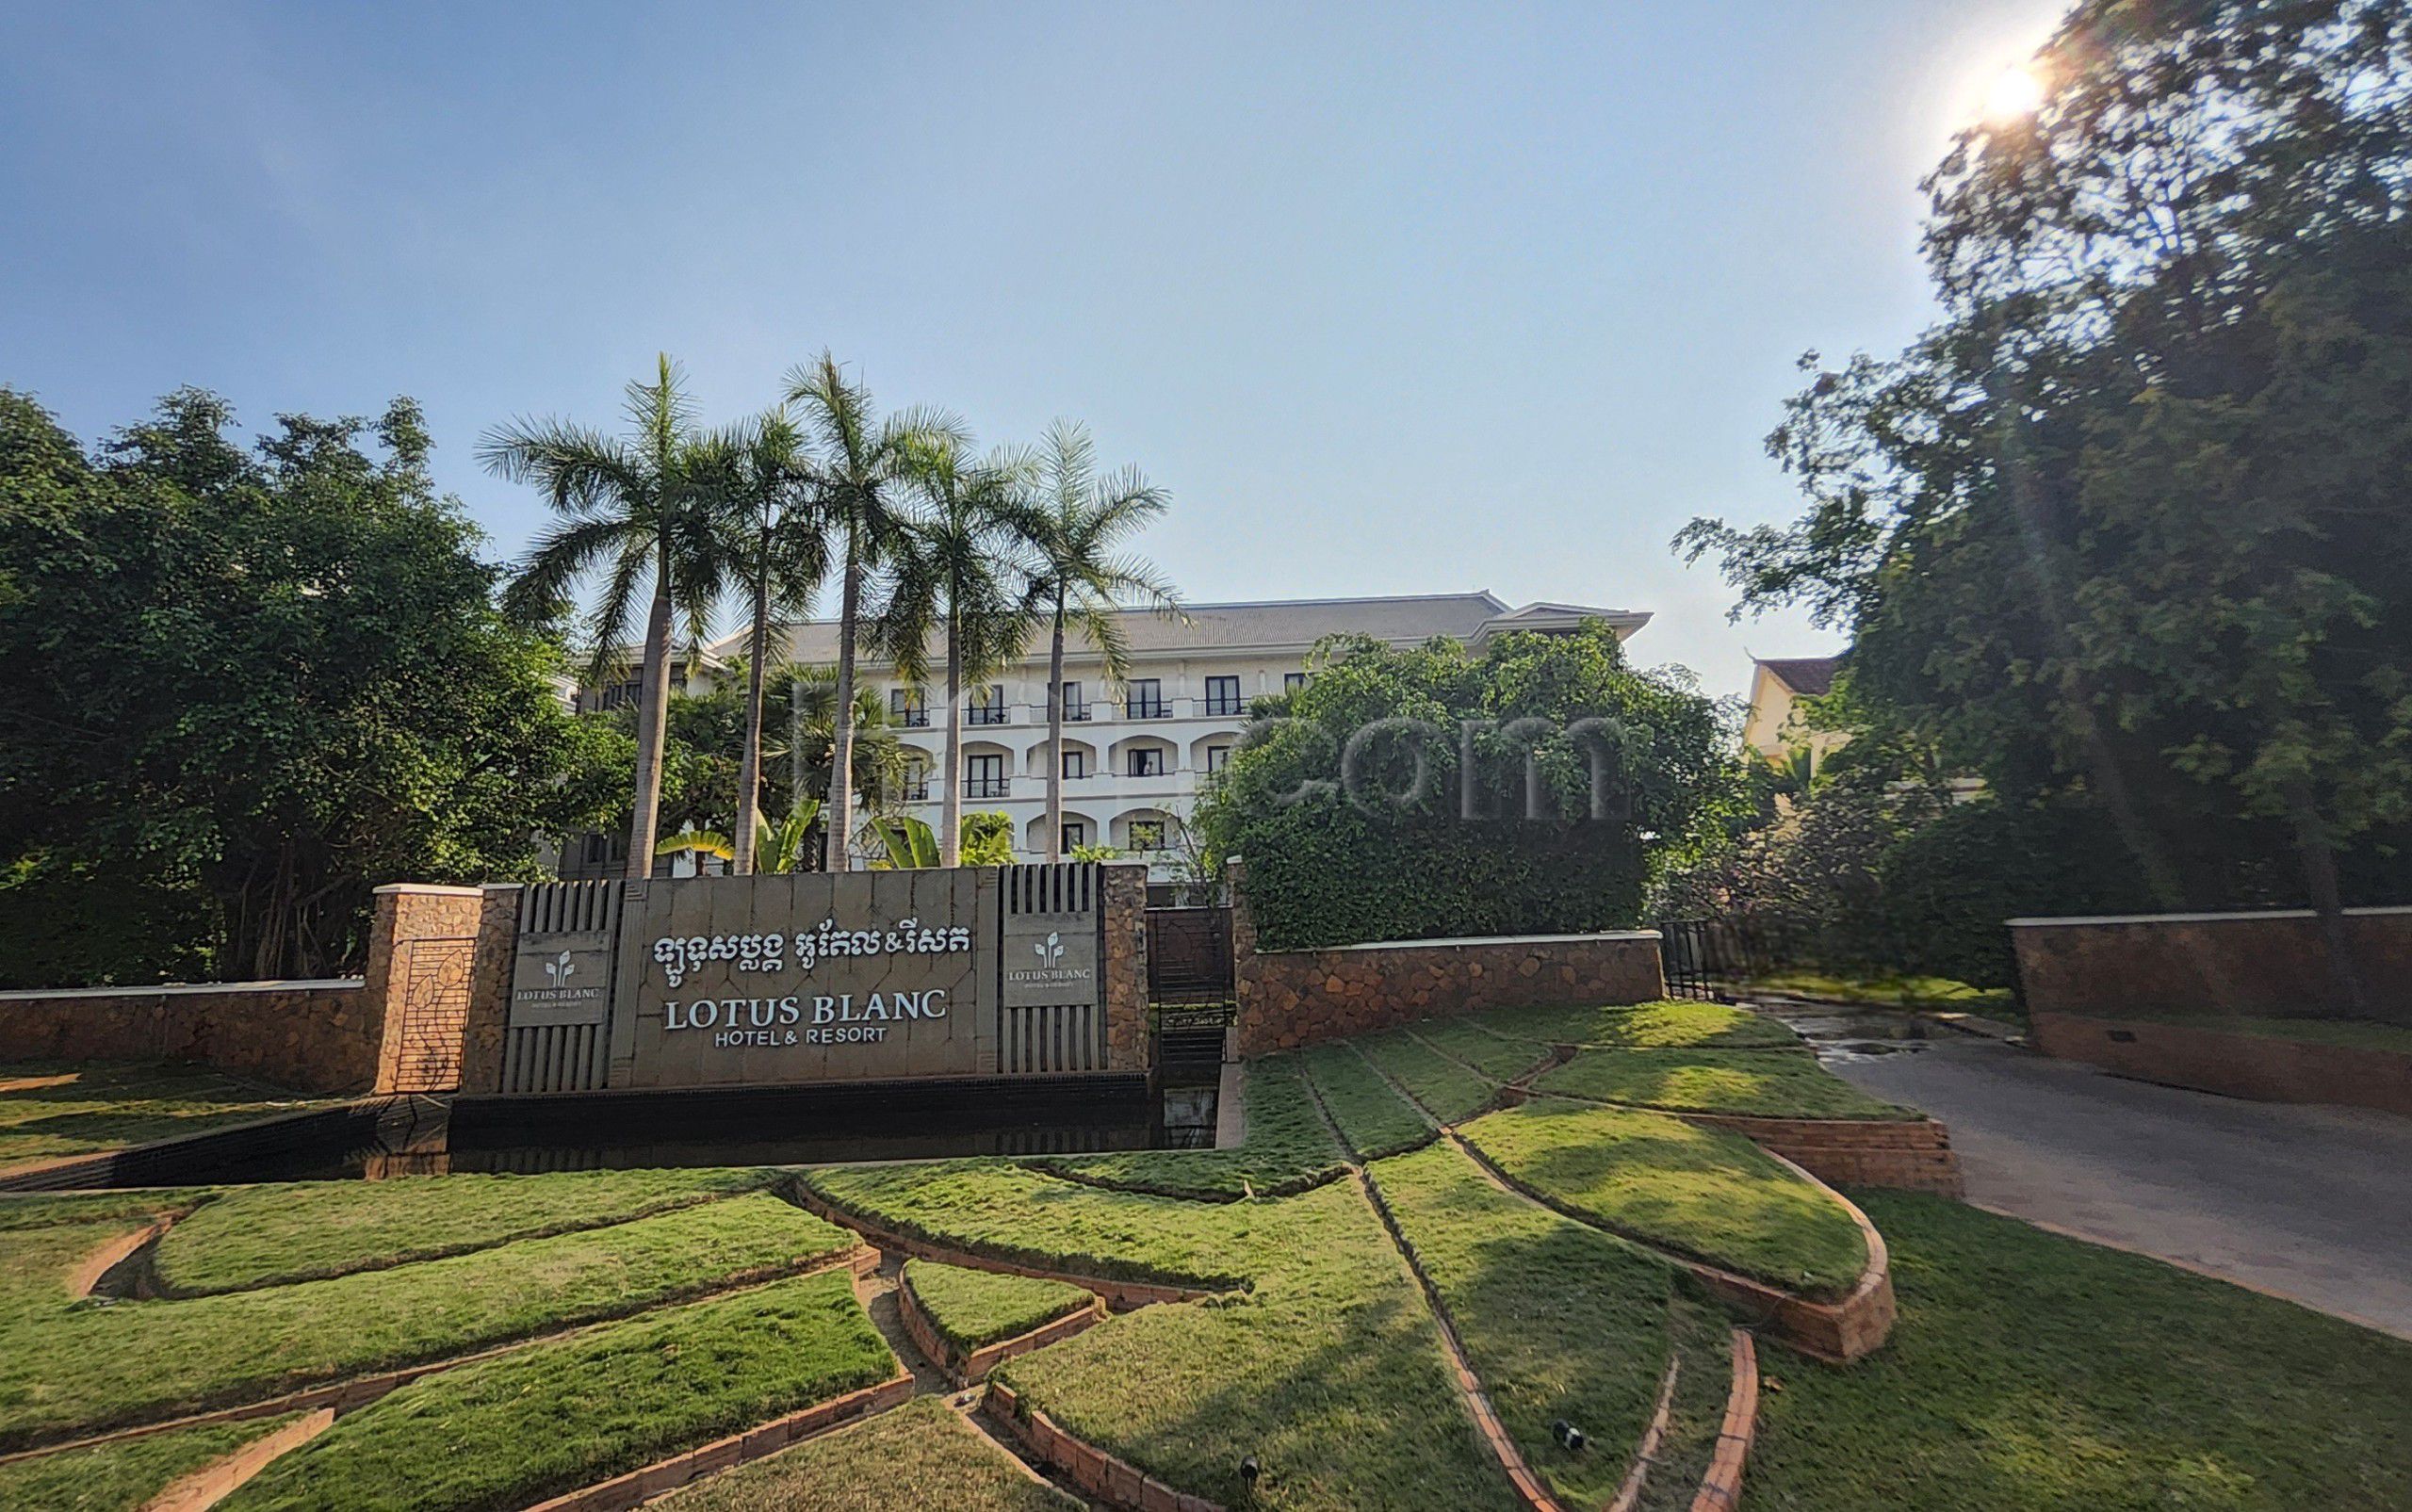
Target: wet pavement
point(2309, 1203)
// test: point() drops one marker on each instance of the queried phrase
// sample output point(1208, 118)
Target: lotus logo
point(558, 972)
point(1049, 949)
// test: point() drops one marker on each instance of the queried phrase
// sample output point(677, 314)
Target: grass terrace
point(52, 1111)
point(563, 1413)
point(923, 1455)
point(1448, 1091)
point(972, 1309)
point(1375, 1119)
point(1754, 1083)
point(1287, 1149)
point(124, 1476)
point(1497, 1059)
point(1700, 1192)
point(1650, 1025)
point(1889, 992)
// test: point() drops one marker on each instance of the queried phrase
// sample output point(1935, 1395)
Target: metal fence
point(1708, 960)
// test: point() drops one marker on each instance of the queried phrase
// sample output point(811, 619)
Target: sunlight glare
point(2015, 94)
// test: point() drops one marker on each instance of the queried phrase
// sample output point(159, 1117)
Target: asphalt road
point(2311, 1203)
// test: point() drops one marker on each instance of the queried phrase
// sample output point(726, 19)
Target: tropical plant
point(760, 473)
point(957, 564)
point(987, 841)
point(806, 697)
point(862, 471)
point(780, 846)
point(910, 843)
point(1083, 576)
point(639, 513)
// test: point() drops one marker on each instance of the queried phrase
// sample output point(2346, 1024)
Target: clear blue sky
point(1395, 299)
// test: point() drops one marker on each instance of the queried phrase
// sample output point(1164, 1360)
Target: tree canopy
point(2128, 525)
point(242, 687)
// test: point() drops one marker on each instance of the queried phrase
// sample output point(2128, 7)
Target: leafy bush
point(1349, 799)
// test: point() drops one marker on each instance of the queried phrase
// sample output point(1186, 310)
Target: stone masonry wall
point(1288, 998)
point(422, 950)
point(305, 1036)
point(1123, 971)
point(2272, 965)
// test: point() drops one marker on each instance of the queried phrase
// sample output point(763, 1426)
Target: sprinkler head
point(1569, 1435)
point(1250, 1469)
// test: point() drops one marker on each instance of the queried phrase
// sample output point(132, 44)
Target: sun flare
point(2015, 93)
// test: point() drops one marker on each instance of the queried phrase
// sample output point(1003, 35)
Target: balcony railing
point(1149, 708)
point(911, 718)
point(988, 788)
point(985, 714)
point(1074, 713)
point(1220, 705)
point(917, 792)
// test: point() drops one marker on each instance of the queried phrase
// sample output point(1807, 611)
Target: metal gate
point(1189, 956)
point(1710, 960)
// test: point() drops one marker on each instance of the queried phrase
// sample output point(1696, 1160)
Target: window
point(1076, 763)
point(1147, 698)
point(983, 776)
point(986, 706)
point(1147, 834)
point(1076, 703)
point(908, 706)
point(1293, 681)
point(1218, 757)
point(1075, 836)
point(917, 782)
point(1145, 761)
point(1222, 695)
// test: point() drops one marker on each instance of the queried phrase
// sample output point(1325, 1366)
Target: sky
point(1392, 299)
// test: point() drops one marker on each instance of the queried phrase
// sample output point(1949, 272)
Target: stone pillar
point(1122, 903)
point(495, 958)
point(421, 944)
point(1252, 1035)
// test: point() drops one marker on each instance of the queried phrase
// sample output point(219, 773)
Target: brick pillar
point(1123, 902)
point(421, 946)
point(496, 957)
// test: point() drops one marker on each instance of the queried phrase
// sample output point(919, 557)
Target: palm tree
point(779, 846)
point(1082, 576)
point(958, 562)
point(631, 509)
point(780, 549)
point(863, 469)
point(881, 760)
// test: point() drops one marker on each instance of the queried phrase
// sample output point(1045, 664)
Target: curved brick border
point(215, 1482)
point(1120, 1296)
point(1115, 1482)
point(666, 1476)
point(1720, 1489)
point(1839, 1331)
point(967, 1367)
point(1645, 1453)
point(1912, 1155)
point(96, 1266)
point(350, 1396)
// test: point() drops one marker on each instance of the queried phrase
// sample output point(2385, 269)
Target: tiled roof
point(1807, 676)
point(1276, 622)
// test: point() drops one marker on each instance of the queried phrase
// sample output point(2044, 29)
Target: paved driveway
point(2314, 1204)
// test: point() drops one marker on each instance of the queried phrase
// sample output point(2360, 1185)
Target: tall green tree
point(1084, 573)
point(2127, 524)
point(640, 512)
point(760, 473)
point(863, 475)
point(956, 575)
point(244, 688)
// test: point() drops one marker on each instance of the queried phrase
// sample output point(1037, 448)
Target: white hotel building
point(1135, 757)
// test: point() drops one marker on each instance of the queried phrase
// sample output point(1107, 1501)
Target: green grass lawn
point(974, 1307)
point(1287, 1149)
point(564, 1413)
point(85, 1366)
point(1890, 992)
point(1447, 1090)
point(1375, 1119)
point(922, 1456)
point(1650, 1026)
point(1560, 1321)
point(62, 1108)
point(2034, 1374)
point(1500, 1060)
point(1701, 1192)
point(1760, 1084)
point(122, 1477)
point(41, 1209)
point(266, 1235)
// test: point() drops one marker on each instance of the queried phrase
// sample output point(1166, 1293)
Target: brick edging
point(1645, 1453)
point(1115, 1482)
point(1120, 1296)
point(216, 1480)
point(666, 1476)
point(1720, 1489)
point(94, 1268)
point(965, 1367)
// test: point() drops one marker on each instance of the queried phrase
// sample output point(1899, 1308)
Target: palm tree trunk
point(653, 702)
point(749, 764)
point(1055, 739)
point(841, 754)
point(951, 809)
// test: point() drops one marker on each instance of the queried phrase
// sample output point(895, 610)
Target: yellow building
point(1776, 686)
